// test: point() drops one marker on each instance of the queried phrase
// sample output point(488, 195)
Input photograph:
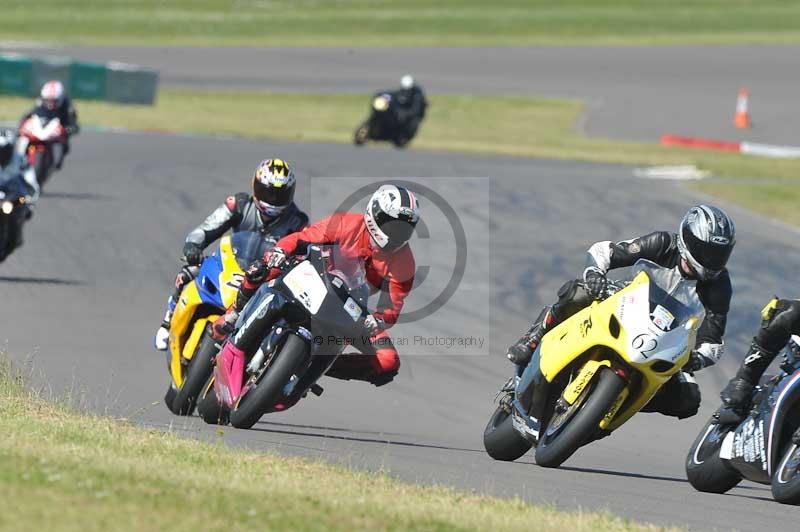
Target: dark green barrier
point(115, 82)
point(87, 81)
point(16, 75)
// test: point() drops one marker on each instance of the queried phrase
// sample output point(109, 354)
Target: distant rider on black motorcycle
point(700, 250)
point(780, 319)
point(411, 105)
point(53, 103)
point(14, 166)
point(270, 209)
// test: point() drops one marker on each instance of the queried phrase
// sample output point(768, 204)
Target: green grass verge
point(401, 22)
point(63, 470)
point(493, 125)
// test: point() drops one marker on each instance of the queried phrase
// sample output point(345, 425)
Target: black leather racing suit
point(780, 319)
point(678, 397)
point(411, 106)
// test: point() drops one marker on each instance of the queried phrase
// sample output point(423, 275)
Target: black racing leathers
point(239, 213)
point(411, 106)
point(661, 247)
point(780, 319)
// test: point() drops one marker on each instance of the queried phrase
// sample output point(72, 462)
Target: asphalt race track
point(86, 292)
point(636, 92)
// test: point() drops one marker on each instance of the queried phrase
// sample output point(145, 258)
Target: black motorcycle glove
point(736, 395)
point(595, 282)
point(193, 253)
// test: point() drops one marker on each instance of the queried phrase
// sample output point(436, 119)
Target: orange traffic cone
point(742, 117)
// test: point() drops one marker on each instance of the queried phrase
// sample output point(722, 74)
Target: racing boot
point(161, 339)
point(360, 368)
point(520, 353)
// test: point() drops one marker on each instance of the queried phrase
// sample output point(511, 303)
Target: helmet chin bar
point(269, 211)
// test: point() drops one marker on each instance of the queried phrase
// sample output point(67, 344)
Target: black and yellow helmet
point(273, 186)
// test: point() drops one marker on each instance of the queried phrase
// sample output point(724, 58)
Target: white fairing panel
point(654, 331)
point(307, 286)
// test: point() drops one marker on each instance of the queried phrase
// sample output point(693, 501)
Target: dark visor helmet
point(273, 187)
point(391, 215)
point(705, 240)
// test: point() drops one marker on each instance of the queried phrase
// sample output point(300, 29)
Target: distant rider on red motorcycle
point(53, 103)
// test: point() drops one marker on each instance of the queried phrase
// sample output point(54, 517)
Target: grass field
point(400, 22)
point(497, 125)
point(61, 470)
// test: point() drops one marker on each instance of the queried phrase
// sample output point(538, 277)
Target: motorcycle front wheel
point(361, 135)
point(209, 407)
point(263, 395)
point(40, 166)
point(705, 470)
point(197, 373)
point(5, 238)
point(501, 440)
point(786, 479)
point(555, 447)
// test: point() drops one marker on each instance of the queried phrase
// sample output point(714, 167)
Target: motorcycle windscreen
point(249, 246)
point(673, 299)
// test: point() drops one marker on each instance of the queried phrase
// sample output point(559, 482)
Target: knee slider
point(689, 402)
point(567, 290)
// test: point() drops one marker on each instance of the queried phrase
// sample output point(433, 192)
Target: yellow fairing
point(588, 335)
point(185, 330)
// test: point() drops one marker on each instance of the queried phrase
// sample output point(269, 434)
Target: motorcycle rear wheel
point(584, 423)
point(786, 480)
point(501, 440)
point(197, 374)
point(705, 470)
point(259, 399)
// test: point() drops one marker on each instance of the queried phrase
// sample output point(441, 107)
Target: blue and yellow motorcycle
point(202, 301)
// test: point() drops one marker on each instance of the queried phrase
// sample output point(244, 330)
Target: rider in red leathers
point(379, 237)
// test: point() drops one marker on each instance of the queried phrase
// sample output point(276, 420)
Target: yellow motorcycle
point(191, 348)
point(596, 369)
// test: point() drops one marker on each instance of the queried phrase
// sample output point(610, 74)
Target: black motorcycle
point(319, 304)
point(763, 447)
point(384, 123)
point(14, 212)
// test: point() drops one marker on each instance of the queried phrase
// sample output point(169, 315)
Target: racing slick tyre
point(361, 135)
point(705, 470)
point(559, 442)
point(786, 479)
point(5, 238)
point(501, 440)
point(41, 163)
point(209, 408)
point(197, 373)
point(269, 385)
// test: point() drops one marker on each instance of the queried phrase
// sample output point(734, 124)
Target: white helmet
point(52, 94)
point(407, 81)
point(391, 215)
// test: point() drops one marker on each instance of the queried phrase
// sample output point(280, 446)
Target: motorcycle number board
point(306, 286)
